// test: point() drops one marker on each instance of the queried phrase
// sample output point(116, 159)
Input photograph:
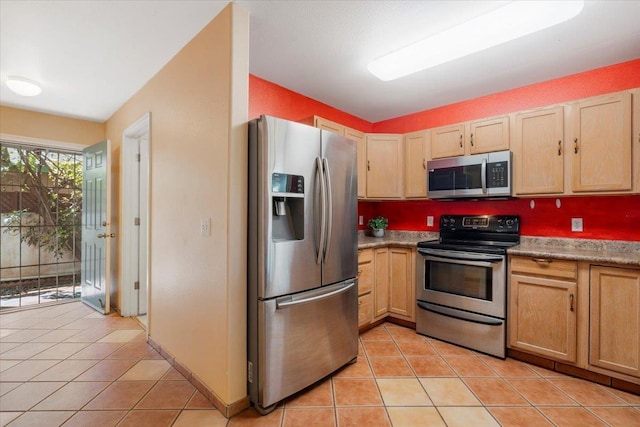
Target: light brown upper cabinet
point(600, 143)
point(358, 137)
point(448, 141)
point(489, 135)
point(538, 151)
point(416, 146)
point(384, 166)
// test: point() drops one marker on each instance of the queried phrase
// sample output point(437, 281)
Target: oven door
point(474, 282)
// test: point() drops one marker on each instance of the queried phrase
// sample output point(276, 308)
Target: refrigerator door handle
point(323, 220)
point(290, 302)
point(329, 205)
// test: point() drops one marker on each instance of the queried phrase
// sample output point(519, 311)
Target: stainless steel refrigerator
point(302, 258)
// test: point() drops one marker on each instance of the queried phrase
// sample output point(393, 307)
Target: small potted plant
point(377, 225)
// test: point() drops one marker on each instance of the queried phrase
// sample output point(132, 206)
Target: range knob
point(510, 222)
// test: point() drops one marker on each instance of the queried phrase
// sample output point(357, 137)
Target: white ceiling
point(92, 56)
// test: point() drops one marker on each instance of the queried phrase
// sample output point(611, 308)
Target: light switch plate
point(576, 224)
point(360, 220)
point(205, 227)
point(429, 221)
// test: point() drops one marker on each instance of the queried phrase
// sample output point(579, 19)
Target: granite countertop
point(394, 238)
point(594, 251)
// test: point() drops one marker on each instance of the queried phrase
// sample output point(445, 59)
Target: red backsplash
point(604, 217)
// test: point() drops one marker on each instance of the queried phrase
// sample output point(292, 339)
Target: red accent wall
point(273, 100)
point(604, 217)
point(600, 81)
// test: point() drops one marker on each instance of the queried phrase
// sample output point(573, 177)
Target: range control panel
point(491, 223)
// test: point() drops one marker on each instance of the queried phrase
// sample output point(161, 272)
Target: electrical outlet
point(429, 221)
point(205, 227)
point(576, 224)
point(360, 220)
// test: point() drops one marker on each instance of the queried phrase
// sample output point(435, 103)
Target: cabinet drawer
point(541, 266)
point(365, 309)
point(365, 255)
point(365, 278)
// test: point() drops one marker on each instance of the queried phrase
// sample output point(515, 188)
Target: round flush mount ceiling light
point(23, 86)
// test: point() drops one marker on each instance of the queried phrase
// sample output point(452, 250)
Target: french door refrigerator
point(302, 258)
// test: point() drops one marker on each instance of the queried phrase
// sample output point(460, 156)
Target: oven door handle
point(462, 256)
point(461, 315)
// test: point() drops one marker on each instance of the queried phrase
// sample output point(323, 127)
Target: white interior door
point(96, 235)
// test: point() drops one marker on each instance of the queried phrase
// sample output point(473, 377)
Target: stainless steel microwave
point(475, 176)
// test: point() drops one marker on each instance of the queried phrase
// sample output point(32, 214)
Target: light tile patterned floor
point(67, 365)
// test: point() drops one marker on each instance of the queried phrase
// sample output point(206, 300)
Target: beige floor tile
point(7, 417)
point(89, 335)
point(392, 366)
point(470, 366)
point(72, 396)
point(586, 393)
point(403, 392)
point(66, 370)
point(198, 401)
point(309, 417)
point(359, 417)
point(135, 350)
point(173, 375)
point(24, 371)
point(356, 392)
point(4, 332)
point(250, 418)
point(571, 417)
point(95, 419)
point(23, 335)
point(60, 351)
point(149, 418)
point(6, 346)
point(319, 394)
point(617, 416)
point(106, 370)
point(167, 395)
point(200, 418)
point(7, 387)
point(98, 350)
point(519, 417)
point(122, 335)
point(122, 395)
point(27, 395)
point(495, 392)
point(449, 392)
point(57, 335)
point(466, 416)
point(53, 323)
point(26, 350)
point(146, 370)
point(42, 419)
point(6, 364)
point(632, 399)
point(416, 416)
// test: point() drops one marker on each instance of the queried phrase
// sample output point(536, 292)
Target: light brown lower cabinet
point(380, 283)
point(365, 287)
point(615, 319)
point(401, 290)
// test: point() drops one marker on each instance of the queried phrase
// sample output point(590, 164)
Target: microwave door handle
point(483, 176)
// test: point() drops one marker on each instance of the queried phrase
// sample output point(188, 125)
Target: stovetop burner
point(476, 233)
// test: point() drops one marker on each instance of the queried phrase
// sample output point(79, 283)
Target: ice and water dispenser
point(287, 207)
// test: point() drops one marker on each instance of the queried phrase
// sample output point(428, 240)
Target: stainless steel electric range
point(461, 281)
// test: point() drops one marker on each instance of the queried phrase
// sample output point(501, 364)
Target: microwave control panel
point(497, 175)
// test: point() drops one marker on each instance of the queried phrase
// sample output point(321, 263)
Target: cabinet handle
point(575, 145)
point(368, 165)
point(571, 302)
point(424, 164)
point(545, 260)
point(359, 272)
point(559, 147)
point(460, 140)
point(472, 140)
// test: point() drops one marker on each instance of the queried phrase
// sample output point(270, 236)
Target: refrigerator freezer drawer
point(305, 338)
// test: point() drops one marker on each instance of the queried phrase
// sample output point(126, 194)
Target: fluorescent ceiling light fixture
point(22, 86)
point(509, 22)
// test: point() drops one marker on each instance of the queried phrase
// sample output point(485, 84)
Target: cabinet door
point(381, 283)
point(601, 143)
point(489, 135)
point(384, 166)
point(359, 138)
point(447, 141)
point(543, 317)
point(615, 319)
point(365, 310)
point(415, 161)
point(401, 289)
point(325, 124)
point(365, 271)
point(538, 152)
